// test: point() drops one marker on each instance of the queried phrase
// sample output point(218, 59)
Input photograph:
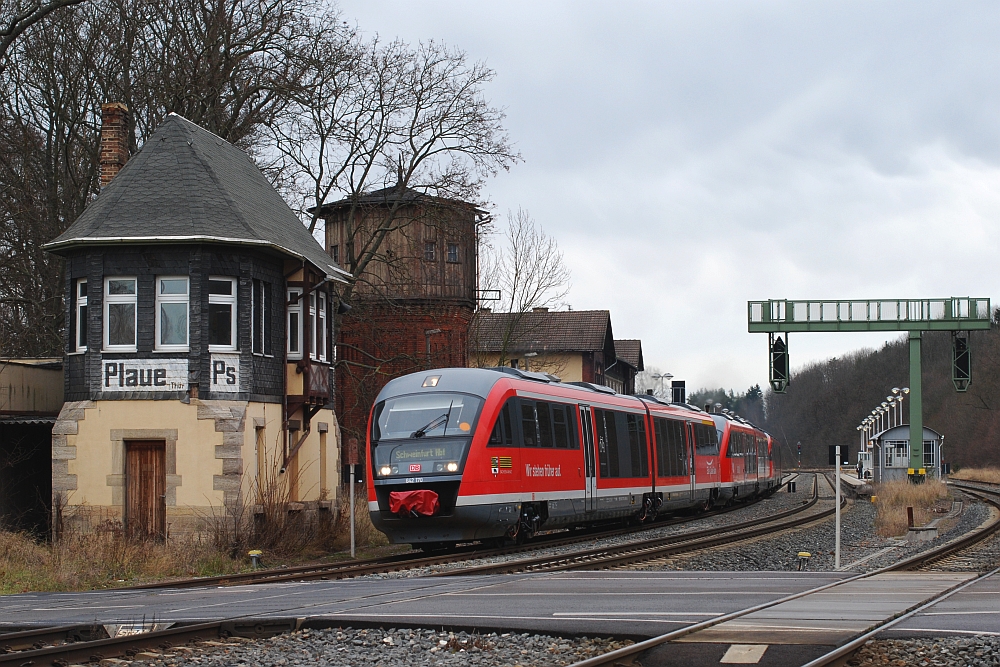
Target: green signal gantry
point(959, 315)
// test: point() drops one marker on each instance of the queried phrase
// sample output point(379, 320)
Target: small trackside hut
point(199, 342)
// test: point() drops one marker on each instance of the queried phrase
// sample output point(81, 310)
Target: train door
point(689, 445)
point(590, 468)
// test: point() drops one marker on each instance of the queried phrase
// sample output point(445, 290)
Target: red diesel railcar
point(463, 454)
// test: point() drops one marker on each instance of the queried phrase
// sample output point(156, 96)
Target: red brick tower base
point(379, 342)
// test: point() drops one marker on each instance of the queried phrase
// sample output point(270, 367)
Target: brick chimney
point(114, 140)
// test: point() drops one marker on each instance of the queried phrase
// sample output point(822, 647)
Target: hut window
point(430, 251)
point(453, 253)
point(119, 314)
point(317, 316)
point(335, 253)
point(172, 314)
point(294, 324)
point(221, 314)
point(80, 330)
point(262, 317)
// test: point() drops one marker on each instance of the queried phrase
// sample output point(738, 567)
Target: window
point(80, 328)
point(547, 425)
point(172, 314)
point(515, 363)
point(221, 314)
point(707, 440)
point(453, 253)
point(637, 445)
point(503, 431)
point(671, 452)
point(294, 324)
point(261, 303)
point(607, 442)
point(335, 253)
point(119, 314)
point(430, 251)
point(317, 322)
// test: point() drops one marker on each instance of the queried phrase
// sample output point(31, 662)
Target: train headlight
point(452, 467)
point(385, 471)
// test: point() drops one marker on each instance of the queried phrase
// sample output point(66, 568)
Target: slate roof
point(629, 351)
point(546, 331)
point(188, 185)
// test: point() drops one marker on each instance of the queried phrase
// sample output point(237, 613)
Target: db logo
point(414, 467)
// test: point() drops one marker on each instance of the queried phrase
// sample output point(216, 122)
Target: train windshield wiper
point(434, 423)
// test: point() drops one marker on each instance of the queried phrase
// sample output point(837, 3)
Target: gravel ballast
point(858, 541)
point(945, 651)
point(395, 647)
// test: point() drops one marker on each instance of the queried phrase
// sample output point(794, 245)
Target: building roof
point(629, 351)
point(545, 331)
point(392, 194)
point(188, 185)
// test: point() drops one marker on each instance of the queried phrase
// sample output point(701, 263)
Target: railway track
point(626, 554)
point(412, 560)
point(958, 553)
point(89, 643)
point(838, 656)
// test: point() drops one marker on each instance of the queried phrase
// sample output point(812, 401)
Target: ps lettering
point(226, 372)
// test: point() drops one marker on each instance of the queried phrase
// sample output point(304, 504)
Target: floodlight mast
point(954, 314)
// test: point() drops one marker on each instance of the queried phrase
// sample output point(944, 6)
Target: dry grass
point(893, 499)
point(106, 558)
point(366, 535)
point(989, 475)
point(101, 559)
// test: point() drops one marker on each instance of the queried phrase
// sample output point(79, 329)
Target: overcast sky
point(691, 156)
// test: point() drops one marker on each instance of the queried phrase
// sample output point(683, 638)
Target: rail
point(623, 655)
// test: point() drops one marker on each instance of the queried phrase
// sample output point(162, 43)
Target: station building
point(576, 345)
point(199, 341)
point(31, 396)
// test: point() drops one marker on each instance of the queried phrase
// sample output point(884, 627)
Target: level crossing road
point(972, 611)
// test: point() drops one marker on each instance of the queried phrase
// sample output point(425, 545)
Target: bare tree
point(16, 16)
point(379, 116)
point(526, 267)
point(228, 65)
point(645, 379)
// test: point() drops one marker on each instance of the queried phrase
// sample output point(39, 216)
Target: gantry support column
point(916, 409)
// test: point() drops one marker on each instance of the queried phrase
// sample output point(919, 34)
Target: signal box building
point(413, 302)
point(199, 348)
point(892, 454)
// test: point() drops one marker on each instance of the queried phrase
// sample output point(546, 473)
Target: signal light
point(779, 363)
point(961, 370)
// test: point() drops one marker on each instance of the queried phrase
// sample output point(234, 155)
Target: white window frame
point(81, 322)
point(229, 299)
point(172, 298)
point(120, 298)
point(293, 307)
point(317, 326)
point(260, 303)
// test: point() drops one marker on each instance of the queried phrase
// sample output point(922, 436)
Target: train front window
point(425, 416)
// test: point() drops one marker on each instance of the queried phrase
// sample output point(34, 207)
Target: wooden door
point(145, 489)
